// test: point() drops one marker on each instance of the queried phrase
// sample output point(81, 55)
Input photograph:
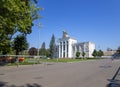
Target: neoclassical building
point(67, 47)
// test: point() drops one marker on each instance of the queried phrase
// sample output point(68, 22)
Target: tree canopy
point(94, 53)
point(77, 54)
point(20, 44)
point(100, 53)
point(32, 51)
point(118, 50)
point(16, 16)
point(97, 53)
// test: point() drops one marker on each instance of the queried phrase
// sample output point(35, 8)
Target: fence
point(19, 59)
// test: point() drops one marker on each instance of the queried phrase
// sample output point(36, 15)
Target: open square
point(93, 73)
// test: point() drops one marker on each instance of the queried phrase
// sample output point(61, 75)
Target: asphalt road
point(81, 74)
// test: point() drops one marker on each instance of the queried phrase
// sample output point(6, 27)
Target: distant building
point(67, 47)
point(110, 53)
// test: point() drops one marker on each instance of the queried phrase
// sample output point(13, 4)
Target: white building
point(67, 47)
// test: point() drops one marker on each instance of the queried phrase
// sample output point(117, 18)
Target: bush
point(21, 59)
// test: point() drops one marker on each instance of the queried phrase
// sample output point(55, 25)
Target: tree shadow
point(4, 84)
point(105, 66)
point(3, 64)
point(115, 81)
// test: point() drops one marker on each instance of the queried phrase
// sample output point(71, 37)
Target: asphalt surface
point(97, 73)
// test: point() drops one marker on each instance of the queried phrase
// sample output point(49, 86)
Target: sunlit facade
point(67, 47)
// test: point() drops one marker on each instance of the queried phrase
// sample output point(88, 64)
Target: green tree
point(100, 53)
point(20, 44)
point(83, 54)
point(77, 54)
point(43, 49)
point(94, 53)
point(16, 16)
point(118, 50)
point(109, 49)
point(5, 47)
point(32, 51)
point(47, 52)
point(52, 46)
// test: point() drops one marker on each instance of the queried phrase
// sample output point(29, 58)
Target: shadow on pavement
point(115, 81)
point(106, 66)
point(4, 84)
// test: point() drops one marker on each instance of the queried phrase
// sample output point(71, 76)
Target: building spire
point(65, 34)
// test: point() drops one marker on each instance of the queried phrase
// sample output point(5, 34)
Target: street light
point(39, 26)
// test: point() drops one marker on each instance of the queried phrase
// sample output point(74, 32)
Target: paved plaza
point(96, 73)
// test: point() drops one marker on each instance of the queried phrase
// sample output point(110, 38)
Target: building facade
point(67, 47)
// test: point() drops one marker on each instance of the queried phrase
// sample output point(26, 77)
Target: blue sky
point(97, 21)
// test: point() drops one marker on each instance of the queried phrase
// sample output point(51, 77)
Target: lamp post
point(39, 26)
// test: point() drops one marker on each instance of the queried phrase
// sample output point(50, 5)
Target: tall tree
point(52, 46)
point(16, 16)
point(32, 51)
point(20, 44)
point(43, 49)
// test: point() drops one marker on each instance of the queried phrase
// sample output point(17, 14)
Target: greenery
point(32, 51)
point(100, 53)
point(77, 54)
point(47, 52)
point(83, 54)
point(64, 60)
point(16, 16)
point(109, 49)
point(20, 43)
point(97, 53)
point(42, 50)
point(118, 50)
point(32, 61)
point(52, 46)
point(94, 53)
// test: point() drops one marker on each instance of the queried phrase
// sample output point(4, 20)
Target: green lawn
point(61, 60)
point(32, 61)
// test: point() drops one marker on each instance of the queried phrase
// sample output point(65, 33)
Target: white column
point(59, 50)
point(68, 50)
point(65, 49)
point(62, 49)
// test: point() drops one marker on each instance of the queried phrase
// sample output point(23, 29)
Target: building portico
point(67, 47)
